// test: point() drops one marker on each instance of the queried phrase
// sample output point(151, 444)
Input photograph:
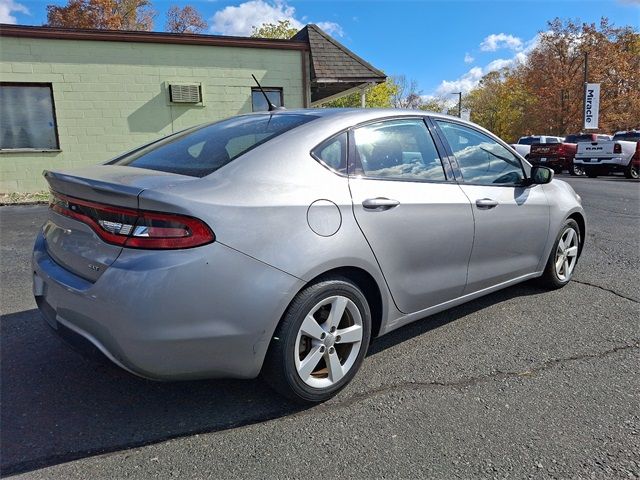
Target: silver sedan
point(281, 243)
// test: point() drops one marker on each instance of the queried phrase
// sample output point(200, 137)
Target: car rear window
point(629, 136)
point(586, 137)
point(528, 140)
point(199, 151)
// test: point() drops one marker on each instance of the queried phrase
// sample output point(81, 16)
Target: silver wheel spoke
point(324, 354)
point(310, 362)
point(559, 262)
point(311, 328)
point(570, 234)
point(337, 310)
point(572, 252)
point(561, 245)
point(351, 334)
point(566, 267)
point(336, 372)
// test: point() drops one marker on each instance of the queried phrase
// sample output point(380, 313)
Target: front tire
point(320, 343)
point(563, 257)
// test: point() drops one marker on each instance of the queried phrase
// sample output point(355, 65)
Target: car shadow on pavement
point(58, 406)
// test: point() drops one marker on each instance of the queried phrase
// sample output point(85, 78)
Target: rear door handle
point(486, 203)
point(380, 204)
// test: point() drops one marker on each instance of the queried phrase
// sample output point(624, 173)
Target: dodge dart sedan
point(280, 243)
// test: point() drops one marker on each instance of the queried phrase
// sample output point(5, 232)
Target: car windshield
point(529, 140)
point(202, 150)
point(630, 136)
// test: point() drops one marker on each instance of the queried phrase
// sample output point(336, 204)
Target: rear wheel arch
point(365, 282)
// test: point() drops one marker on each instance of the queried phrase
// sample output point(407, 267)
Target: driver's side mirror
point(540, 175)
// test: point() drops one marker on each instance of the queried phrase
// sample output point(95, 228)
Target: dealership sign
point(591, 105)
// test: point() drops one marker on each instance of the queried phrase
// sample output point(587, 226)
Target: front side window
point(398, 149)
point(203, 150)
point(333, 153)
point(27, 118)
point(259, 103)
point(481, 159)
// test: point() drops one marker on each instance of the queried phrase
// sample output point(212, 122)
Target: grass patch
point(24, 198)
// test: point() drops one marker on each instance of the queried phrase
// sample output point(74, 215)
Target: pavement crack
point(470, 381)
point(631, 299)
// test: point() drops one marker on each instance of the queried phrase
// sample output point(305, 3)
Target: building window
point(259, 103)
point(27, 117)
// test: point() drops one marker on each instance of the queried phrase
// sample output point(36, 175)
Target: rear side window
point(333, 153)
point(528, 140)
point(629, 136)
point(203, 150)
point(586, 137)
point(398, 149)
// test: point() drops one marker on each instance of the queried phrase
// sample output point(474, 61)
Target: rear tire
point(591, 172)
point(563, 257)
point(313, 353)
point(576, 170)
point(632, 172)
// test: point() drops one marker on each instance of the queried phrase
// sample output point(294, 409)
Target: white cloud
point(470, 79)
point(8, 7)
point(463, 84)
point(332, 28)
point(468, 58)
point(496, 41)
point(240, 20)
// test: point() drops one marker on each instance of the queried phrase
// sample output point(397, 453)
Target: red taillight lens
point(617, 148)
point(135, 228)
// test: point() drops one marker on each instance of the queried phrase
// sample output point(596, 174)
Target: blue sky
point(444, 45)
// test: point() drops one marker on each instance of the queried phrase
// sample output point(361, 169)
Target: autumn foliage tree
point(184, 20)
point(102, 14)
point(282, 29)
point(544, 94)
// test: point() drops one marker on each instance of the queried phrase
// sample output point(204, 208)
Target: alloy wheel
point(328, 341)
point(566, 254)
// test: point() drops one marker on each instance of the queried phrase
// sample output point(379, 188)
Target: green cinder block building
point(79, 97)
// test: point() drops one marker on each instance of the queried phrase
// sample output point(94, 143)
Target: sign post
point(591, 105)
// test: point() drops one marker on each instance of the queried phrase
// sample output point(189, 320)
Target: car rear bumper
point(198, 313)
point(604, 161)
point(549, 161)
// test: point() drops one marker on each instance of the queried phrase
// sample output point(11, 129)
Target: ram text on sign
point(591, 105)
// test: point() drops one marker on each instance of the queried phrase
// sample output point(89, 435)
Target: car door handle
point(380, 204)
point(486, 203)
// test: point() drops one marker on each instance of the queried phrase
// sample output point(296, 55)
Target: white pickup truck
point(523, 147)
point(606, 156)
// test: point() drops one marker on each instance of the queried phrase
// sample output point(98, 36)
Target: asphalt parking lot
point(521, 383)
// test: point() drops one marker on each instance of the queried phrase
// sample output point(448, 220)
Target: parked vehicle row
point(585, 153)
point(560, 156)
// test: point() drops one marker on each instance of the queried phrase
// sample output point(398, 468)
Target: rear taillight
point(135, 228)
point(617, 148)
point(561, 150)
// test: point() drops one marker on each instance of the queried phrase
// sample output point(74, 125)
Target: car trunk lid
point(74, 244)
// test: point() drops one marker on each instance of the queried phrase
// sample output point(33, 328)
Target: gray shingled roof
point(332, 61)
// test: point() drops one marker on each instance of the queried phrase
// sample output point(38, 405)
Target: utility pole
point(459, 103)
point(584, 89)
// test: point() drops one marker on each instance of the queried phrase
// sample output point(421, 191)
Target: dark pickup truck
point(559, 156)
